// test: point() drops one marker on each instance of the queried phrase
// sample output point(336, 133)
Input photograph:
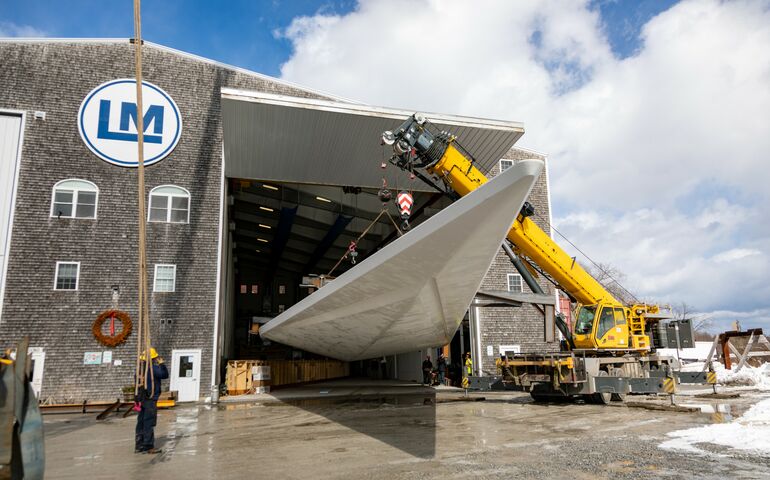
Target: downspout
point(473, 318)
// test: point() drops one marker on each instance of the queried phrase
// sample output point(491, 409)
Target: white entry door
point(37, 355)
point(186, 374)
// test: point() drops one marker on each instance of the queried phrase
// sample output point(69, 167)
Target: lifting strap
point(143, 343)
point(347, 252)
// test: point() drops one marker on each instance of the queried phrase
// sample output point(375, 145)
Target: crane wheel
point(618, 397)
point(600, 398)
point(539, 398)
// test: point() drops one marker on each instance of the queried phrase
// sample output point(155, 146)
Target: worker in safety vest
point(468, 365)
point(148, 414)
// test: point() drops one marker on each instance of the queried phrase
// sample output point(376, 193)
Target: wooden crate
point(282, 372)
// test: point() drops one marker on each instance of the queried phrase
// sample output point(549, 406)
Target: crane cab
point(609, 326)
point(601, 326)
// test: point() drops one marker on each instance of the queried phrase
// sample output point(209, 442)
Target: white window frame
point(75, 194)
point(168, 207)
point(512, 163)
point(56, 276)
point(508, 279)
point(155, 278)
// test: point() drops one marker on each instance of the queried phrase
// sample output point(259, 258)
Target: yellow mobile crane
point(609, 352)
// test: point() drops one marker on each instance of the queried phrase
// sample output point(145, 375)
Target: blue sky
point(246, 33)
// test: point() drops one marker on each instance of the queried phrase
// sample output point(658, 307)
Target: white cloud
point(10, 29)
point(735, 254)
point(659, 161)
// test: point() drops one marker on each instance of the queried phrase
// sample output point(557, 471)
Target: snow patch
point(748, 376)
point(750, 433)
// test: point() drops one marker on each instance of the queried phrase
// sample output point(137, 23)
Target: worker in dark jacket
point(441, 369)
point(427, 371)
point(148, 415)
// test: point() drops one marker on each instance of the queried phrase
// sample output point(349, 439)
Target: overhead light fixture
point(262, 240)
point(269, 187)
point(267, 209)
point(323, 199)
point(258, 250)
point(265, 226)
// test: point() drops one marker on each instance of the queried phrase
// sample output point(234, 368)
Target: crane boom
point(456, 169)
point(603, 322)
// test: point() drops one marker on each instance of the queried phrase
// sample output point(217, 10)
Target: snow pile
point(748, 376)
point(758, 377)
point(699, 351)
point(749, 434)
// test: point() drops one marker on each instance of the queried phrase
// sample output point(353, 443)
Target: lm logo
point(108, 119)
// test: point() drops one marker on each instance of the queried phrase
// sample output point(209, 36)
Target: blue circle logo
point(108, 117)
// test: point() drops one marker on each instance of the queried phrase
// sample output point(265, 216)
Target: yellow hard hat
point(153, 354)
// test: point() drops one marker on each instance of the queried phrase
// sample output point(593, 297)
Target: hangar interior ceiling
point(282, 233)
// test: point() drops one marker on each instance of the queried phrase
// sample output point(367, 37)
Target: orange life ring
point(112, 340)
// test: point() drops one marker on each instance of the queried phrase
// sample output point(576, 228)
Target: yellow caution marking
point(669, 385)
point(711, 377)
point(465, 383)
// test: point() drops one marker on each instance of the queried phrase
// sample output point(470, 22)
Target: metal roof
point(291, 139)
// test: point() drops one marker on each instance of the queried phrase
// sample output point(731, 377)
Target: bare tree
point(701, 322)
point(610, 277)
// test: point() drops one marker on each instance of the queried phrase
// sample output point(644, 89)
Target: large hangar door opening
point(285, 236)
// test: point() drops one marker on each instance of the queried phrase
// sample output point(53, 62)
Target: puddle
point(719, 412)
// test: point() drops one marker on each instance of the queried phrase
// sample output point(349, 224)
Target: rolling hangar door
point(301, 180)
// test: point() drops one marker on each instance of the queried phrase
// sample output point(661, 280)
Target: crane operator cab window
point(620, 316)
point(606, 322)
point(585, 320)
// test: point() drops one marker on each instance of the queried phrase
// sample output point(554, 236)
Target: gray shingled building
point(253, 185)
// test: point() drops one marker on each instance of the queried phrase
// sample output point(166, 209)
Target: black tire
point(600, 398)
point(539, 397)
point(543, 395)
point(618, 397)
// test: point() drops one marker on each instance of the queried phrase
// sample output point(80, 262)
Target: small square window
point(255, 289)
point(505, 164)
point(244, 289)
point(281, 289)
point(515, 283)
point(67, 274)
point(165, 278)
point(281, 308)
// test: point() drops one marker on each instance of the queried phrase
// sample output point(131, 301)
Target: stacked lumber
point(240, 373)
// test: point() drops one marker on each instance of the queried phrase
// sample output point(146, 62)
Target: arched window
point(74, 198)
point(169, 204)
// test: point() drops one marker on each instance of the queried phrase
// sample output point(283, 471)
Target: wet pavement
point(399, 433)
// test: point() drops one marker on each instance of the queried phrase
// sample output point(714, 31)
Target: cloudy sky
point(655, 115)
